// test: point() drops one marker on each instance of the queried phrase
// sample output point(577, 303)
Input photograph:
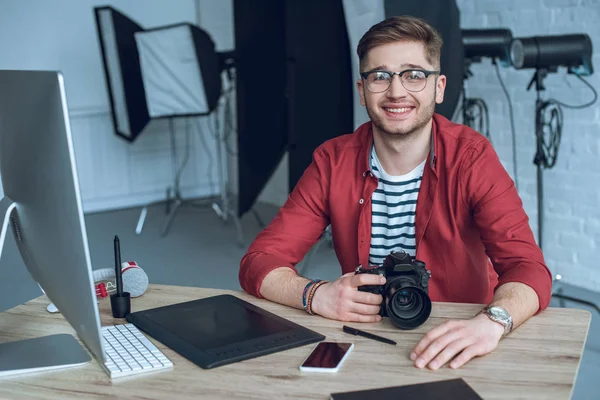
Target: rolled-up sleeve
point(497, 209)
point(296, 228)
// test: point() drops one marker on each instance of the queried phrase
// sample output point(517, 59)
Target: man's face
point(397, 111)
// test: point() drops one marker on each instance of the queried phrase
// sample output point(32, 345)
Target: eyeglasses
point(413, 80)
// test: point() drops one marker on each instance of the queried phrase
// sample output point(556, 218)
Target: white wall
point(572, 187)
point(61, 35)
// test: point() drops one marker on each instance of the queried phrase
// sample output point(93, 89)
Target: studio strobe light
point(492, 43)
point(551, 52)
point(479, 44)
point(546, 54)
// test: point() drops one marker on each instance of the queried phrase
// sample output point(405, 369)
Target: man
point(407, 180)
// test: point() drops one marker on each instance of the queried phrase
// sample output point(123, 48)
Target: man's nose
point(396, 88)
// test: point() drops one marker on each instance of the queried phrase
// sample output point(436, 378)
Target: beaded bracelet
point(305, 292)
point(311, 295)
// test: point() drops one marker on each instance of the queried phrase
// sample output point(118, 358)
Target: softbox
point(163, 72)
point(180, 71)
point(122, 72)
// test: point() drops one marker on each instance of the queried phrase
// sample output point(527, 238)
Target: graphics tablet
point(221, 330)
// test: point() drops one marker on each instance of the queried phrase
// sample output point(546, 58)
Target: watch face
point(498, 312)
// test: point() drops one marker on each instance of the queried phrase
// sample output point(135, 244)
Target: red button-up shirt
point(471, 229)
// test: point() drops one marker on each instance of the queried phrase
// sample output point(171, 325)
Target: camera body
point(405, 293)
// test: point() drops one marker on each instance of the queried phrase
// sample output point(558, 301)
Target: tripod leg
point(238, 227)
point(168, 201)
point(540, 201)
point(141, 221)
point(561, 300)
point(171, 216)
point(258, 219)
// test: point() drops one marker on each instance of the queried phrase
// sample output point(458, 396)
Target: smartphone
point(327, 357)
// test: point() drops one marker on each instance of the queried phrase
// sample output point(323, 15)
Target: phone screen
point(327, 355)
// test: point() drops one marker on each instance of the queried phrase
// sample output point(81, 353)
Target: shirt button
point(364, 174)
point(361, 201)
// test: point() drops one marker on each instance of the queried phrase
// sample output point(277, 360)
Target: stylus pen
point(354, 331)
point(118, 273)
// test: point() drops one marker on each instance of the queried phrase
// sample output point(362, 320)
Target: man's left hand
point(458, 341)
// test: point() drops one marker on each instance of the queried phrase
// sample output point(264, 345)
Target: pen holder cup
point(121, 305)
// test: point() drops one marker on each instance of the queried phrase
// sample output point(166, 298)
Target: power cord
point(209, 157)
point(551, 119)
point(512, 123)
point(552, 124)
point(585, 105)
point(476, 116)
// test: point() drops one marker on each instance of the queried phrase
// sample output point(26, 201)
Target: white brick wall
point(572, 187)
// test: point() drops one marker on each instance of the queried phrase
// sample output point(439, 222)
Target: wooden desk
point(538, 361)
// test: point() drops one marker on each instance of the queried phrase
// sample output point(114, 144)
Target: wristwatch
point(499, 315)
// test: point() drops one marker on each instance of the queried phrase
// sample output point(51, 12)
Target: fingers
point(365, 309)
point(366, 279)
point(434, 348)
point(466, 356)
point(449, 352)
point(367, 298)
point(454, 341)
point(429, 338)
point(354, 317)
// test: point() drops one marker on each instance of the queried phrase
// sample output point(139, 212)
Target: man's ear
point(361, 91)
point(440, 87)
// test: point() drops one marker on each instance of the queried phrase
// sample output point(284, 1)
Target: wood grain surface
point(539, 360)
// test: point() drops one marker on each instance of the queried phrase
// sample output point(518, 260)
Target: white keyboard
point(129, 352)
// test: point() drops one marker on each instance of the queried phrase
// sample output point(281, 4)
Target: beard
point(393, 128)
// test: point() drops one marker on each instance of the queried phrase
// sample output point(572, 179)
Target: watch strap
point(506, 322)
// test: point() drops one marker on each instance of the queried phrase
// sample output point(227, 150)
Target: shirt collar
point(432, 155)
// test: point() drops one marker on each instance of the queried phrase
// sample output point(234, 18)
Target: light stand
point(540, 159)
point(474, 110)
point(222, 207)
point(544, 160)
point(225, 209)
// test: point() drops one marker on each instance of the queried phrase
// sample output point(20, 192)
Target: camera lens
point(409, 306)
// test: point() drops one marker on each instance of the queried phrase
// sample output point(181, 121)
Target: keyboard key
point(129, 352)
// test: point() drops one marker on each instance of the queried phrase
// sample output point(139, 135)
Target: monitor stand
point(37, 354)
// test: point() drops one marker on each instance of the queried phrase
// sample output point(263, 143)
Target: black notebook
point(221, 330)
point(441, 390)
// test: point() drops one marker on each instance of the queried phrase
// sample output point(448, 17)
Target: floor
point(201, 250)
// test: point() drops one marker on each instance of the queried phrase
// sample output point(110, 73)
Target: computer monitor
point(42, 204)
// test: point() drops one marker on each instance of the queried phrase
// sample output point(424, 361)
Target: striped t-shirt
point(394, 203)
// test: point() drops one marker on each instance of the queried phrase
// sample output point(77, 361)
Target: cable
point(476, 116)
point(213, 124)
point(228, 126)
point(512, 123)
point(186, 157)
point(209, 168)
point(551, 119)
point(589, 103)
point(458, 109)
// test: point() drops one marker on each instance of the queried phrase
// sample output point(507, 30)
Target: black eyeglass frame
point(364, 75)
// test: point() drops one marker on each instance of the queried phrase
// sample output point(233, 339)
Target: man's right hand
point(341, 300)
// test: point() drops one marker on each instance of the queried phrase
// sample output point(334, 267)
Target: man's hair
point(402, 28)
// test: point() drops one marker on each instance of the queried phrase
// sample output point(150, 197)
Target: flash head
point(493, 43)
point(550, 52)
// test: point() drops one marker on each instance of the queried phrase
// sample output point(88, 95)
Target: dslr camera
point(405, 298)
